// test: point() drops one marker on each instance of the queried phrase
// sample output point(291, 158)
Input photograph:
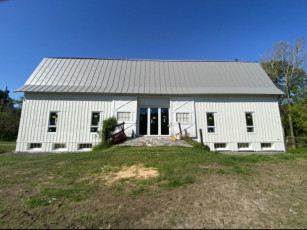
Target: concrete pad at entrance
point(153, 141)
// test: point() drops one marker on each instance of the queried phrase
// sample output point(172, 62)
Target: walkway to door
point(153, 141)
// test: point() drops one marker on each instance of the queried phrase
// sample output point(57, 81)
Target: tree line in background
point(285, 64)
point(10, 111)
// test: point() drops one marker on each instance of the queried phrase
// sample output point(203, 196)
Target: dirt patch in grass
point(136, 172)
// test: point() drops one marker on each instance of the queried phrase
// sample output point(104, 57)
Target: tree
point(285, 65)
point(299, 112)
point(9, 116)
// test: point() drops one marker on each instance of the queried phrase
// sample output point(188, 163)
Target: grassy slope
point(7, 146)
point(30, 183)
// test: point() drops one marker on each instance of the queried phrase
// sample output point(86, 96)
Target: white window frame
point(183, 122)
point(99, 122)
point(57, 149)
point(81, 149)
point(56, 122)
point(244, 148)
point(220, 148)
point(249, 126)
point(130, 116)
point(214, 127)
point(35, 148)
point(266, 148)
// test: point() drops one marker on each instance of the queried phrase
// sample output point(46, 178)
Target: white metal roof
point(160, 77)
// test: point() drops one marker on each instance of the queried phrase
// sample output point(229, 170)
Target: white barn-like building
point(234, 103)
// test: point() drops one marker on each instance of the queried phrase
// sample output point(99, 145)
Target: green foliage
point(9, 123)
point(276, 70)
point(299, 111)
point(102, 146)
point(7, 147)
point(285, 65)
point(108, 127)
point(196, 144)
point(9, 117)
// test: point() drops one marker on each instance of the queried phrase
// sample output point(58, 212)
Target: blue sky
point(141, 29)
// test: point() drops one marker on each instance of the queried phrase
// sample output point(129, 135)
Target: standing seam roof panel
point(154, 77)
point(132, 74)
point(36, 71)
point(125, 76)
point(106, 73)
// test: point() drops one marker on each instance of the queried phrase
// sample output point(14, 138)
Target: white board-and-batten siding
point(74, 118)
point(75, 111)
point(183, 105)
point(230, 122)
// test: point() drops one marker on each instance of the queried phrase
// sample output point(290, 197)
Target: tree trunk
point(291, 125)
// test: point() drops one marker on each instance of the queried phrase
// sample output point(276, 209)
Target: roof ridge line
point(157, 60)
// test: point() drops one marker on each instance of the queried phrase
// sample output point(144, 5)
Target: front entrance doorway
point(154, 121)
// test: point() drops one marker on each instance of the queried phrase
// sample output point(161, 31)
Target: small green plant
point(108, 127)
point(195, 144)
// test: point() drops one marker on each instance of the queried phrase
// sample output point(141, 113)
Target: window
point(85, 146)
point(182, 117)
point(59, 146)
point(35, 145)
point(249, 122)
point(210, 123)
point(53, 119)
point(243, 145)
point(123, 116)
point(266, 145)
point(95, 122)
point(220, 145)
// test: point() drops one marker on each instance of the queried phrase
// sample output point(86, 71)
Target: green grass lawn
point(49, 187)
point(7, 146)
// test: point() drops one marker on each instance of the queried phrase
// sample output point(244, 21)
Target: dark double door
point(154, 121)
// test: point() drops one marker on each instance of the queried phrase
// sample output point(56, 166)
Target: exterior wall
point(230, 123)
point(183, 105)
point(127, 104)
point(74, 118)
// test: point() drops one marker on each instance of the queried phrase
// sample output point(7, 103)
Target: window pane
point(59, 146)
point(52, 129)
point(243, 145)
point(210, 119)
point(182, 117)
point(250, 129)
point(35, 145)
point(94, 129)
point(211, 130)
point(95, 119)
point(219, 145)
point(53, 118)
point(266, 145)
point(85, 146)
point(249, 119)
point(123, 116)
